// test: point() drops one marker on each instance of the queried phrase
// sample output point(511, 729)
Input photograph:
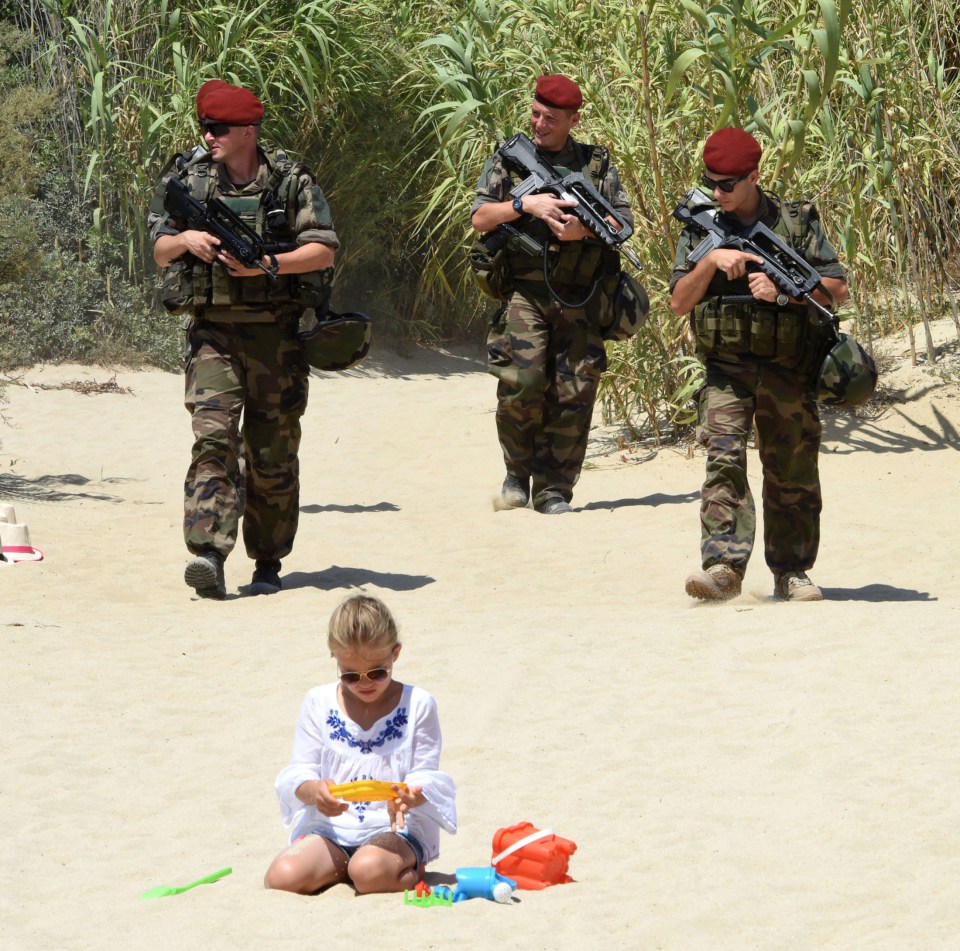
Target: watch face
point(782, 300)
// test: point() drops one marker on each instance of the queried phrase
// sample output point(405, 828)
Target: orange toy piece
point(533, 859)
point(366, 790)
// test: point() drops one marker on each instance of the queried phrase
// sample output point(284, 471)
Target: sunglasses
point(216, 129)
point(376, 676)
point(726, 185)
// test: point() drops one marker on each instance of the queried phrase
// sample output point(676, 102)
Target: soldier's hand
point(547, 207)
point(732, 263)
point(761, 287)
point(568, 228)
point(201, 245)
point(235, 268)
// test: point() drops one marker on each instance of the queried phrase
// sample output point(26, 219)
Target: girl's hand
point(316, 793)
point(404, 802)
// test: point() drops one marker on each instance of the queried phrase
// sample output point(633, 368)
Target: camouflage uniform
point(548, 357)
point(776, 391)
point(243, 361)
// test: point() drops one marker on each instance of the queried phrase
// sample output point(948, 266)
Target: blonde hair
point(361, 623)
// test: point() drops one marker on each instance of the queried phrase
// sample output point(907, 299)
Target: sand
point(747, 775)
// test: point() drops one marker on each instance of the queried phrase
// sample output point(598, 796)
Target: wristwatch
point(782, 299)
point(274, 265)
point(518, 206)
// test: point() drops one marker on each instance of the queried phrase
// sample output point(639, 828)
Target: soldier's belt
point(744, 303)
point(747, 304)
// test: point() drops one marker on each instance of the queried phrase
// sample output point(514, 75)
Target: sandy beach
point(751, 775)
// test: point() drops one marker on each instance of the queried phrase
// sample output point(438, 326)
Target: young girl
point(366, 726)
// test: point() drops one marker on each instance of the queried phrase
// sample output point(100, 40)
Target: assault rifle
point(591, 208)
point(787, 269)
point(236, 237)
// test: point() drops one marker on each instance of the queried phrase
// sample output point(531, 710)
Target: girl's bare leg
point(385, 864)
point(308, 865)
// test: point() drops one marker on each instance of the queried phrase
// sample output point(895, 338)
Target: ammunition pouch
point(189, 283)
point(490, 265)
point(176, 287)
point(499, 257)
point(313, 289)
point(575, 263)
point(261, 291)
point(752, 329)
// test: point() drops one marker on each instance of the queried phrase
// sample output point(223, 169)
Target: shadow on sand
point(876, 593)
point(658, 498)
point(349, 509)
point(418, 361)
point(851, 434)
point(340, 577)
point(53, 488)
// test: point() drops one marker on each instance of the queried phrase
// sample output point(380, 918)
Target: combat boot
point(717, 583)
point(204, 573)
point(554, 506)
point(515, 492)
point(266, 578)
point(795, 586)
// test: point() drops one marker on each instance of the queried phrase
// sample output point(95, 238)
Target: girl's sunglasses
point(375, 676)
point(726, 185)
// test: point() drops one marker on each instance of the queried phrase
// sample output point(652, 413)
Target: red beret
point(558, 92)
point(221, 102)
point(731, 152)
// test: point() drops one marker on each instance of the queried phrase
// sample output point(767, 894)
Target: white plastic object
point(520, 843)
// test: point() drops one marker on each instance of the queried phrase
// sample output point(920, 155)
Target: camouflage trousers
point(781, 403)
point(252, 371)
point(548, 360)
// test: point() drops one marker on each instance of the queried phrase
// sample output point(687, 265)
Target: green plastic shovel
point(161, 891)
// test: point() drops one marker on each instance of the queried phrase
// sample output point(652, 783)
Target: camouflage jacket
point(748, 331)
point(796, 222)
point(497, 180)
point(291, 187)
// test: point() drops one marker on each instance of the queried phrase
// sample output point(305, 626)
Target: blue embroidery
point(391, 731)
point(360, 808)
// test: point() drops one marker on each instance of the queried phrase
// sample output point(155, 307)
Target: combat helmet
point(848, 375)
point(629, 310)
point(338, 342)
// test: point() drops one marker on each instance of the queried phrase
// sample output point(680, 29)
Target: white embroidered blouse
point(403, 746)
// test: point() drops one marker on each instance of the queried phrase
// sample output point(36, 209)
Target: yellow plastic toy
point(366, 790)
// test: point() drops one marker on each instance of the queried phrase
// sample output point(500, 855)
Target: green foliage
point(850, 99)
point(22, 111)
point(64, 293)
point(397, 105)
point(69, 300)
point(82, 314)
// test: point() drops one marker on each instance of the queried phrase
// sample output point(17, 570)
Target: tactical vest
point(761, 329)
point(194, 285)
point(572, 264)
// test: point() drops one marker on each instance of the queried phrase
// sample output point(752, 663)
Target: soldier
point(546, 348)
point(777, 390)
point(243, 359)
